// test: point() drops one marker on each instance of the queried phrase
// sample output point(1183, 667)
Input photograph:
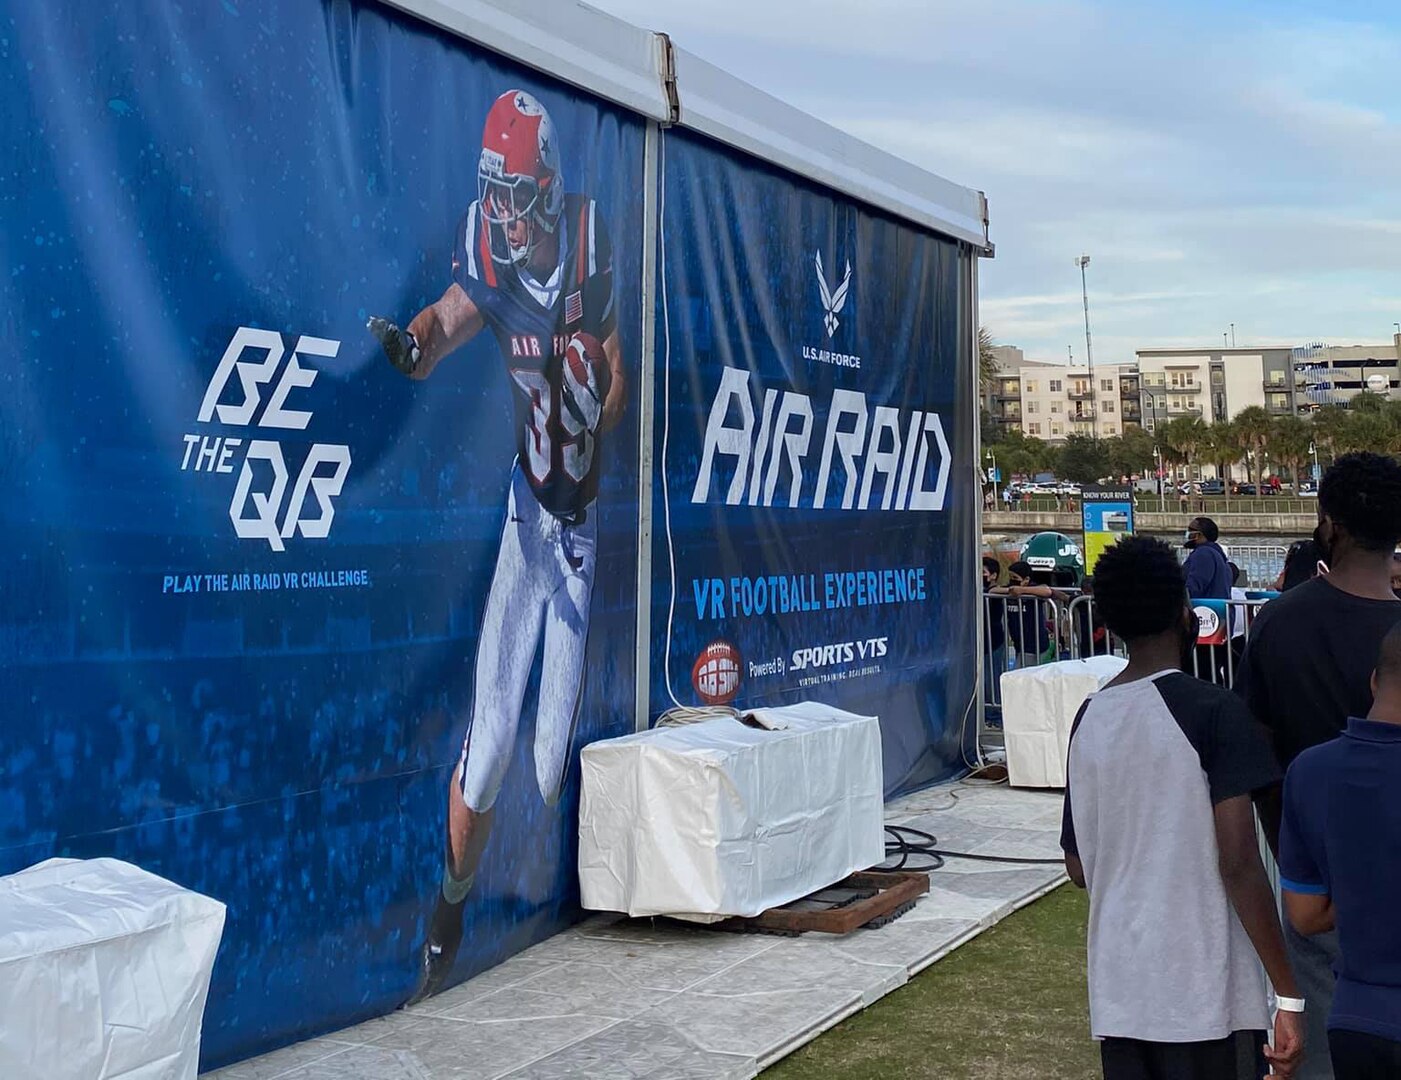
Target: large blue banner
point(318, 448)
point(816, 506)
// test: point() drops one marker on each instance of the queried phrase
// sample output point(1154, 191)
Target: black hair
point(1389, 657)
point(1021, 568)
point(992, 566)
point(1207, 528)
point(1300, 563)
point(1139, 587)
point(1362, 494)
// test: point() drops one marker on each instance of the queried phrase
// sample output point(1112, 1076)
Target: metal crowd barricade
point(1029, 614)
point(1261, 562)
point(1215, 663)
point(1074, 624)
point(1074, 630)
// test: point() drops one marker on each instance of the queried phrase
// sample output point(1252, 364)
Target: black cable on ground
point(905, 843)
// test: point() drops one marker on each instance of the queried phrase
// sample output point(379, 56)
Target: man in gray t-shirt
point(1159, 827)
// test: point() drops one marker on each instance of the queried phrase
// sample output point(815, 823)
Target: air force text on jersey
point(869, 442)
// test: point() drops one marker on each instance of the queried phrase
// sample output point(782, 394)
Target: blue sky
point(1220, 162)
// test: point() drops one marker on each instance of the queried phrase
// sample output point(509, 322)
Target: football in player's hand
point(586, 377)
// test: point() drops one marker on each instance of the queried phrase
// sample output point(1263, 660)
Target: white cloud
point(1221, 163)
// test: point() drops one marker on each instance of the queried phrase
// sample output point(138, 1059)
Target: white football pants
point(544, 576)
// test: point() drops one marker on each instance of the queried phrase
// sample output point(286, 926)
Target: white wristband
point(1288, 1004)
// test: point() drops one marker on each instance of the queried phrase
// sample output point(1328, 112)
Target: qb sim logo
point(261, 508)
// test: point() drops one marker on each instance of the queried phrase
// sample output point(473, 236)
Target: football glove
point(399, 345)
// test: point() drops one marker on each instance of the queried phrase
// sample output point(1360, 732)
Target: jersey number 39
point(577, 447)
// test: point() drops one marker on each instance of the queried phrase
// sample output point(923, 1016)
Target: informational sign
point(817, 508)
point(320, 348)
point(1107, 513)
point(1212, 621)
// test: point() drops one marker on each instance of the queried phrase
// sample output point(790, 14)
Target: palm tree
point(1370, 429)
point(1182, 439)
point(1253, 426)
point(1289, 442)
point(1221, 448)
point(1329, 424)
point(987, 360)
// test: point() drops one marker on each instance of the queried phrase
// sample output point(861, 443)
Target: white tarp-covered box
point(725, 817)
point(104, 970)
point(1038, 708)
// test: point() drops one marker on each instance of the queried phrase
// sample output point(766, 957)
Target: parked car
point(1308, 489)
point(1244, 489)
point(1213, 487)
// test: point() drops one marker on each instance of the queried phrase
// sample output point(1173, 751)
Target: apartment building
point(1057, 401)
point(1212, 385)
point(1216, 384)
point(1002, 398)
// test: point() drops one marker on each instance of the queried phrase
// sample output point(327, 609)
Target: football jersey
point(533, 324)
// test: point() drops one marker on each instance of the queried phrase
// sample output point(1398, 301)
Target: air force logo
point(832, 302)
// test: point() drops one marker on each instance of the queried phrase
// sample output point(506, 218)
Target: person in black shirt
point(994, 633)
point(1300, 565)
point(1092, 636)
point(1308, 665)
point(1029, 635)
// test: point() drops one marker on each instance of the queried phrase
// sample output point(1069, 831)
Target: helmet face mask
point(520, 208)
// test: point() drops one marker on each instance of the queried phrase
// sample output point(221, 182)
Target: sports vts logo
point(832, 302)
point(261, 508)
point(842, 652)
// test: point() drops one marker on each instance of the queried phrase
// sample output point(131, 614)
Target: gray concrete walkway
point(623, 998)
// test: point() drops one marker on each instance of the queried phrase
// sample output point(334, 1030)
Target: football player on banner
point(534, 265)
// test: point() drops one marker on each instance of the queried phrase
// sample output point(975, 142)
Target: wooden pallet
point(870, 898)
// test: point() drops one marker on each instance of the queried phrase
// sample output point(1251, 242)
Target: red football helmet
point(519, 184)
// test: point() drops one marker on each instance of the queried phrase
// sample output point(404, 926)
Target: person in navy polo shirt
point(1340, 866)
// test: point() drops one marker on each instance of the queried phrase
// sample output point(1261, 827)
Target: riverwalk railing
point(1147, 503)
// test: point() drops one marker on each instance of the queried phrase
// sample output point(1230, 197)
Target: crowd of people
point(1190, 967)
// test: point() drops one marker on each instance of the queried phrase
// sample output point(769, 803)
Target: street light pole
point(993, 459)
point(1082, 262)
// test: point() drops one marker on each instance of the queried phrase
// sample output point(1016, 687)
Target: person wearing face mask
point(1208, 572)
point(1308, 667)
point(1301, 563)
point(1208, 578)
point(1158, 826)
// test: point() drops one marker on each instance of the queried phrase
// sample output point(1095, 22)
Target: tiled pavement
point(623, 998)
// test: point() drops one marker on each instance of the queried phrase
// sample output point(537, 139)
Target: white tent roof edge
point(624, 64)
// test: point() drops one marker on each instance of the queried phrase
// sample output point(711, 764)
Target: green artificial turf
point(1010, 1003)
